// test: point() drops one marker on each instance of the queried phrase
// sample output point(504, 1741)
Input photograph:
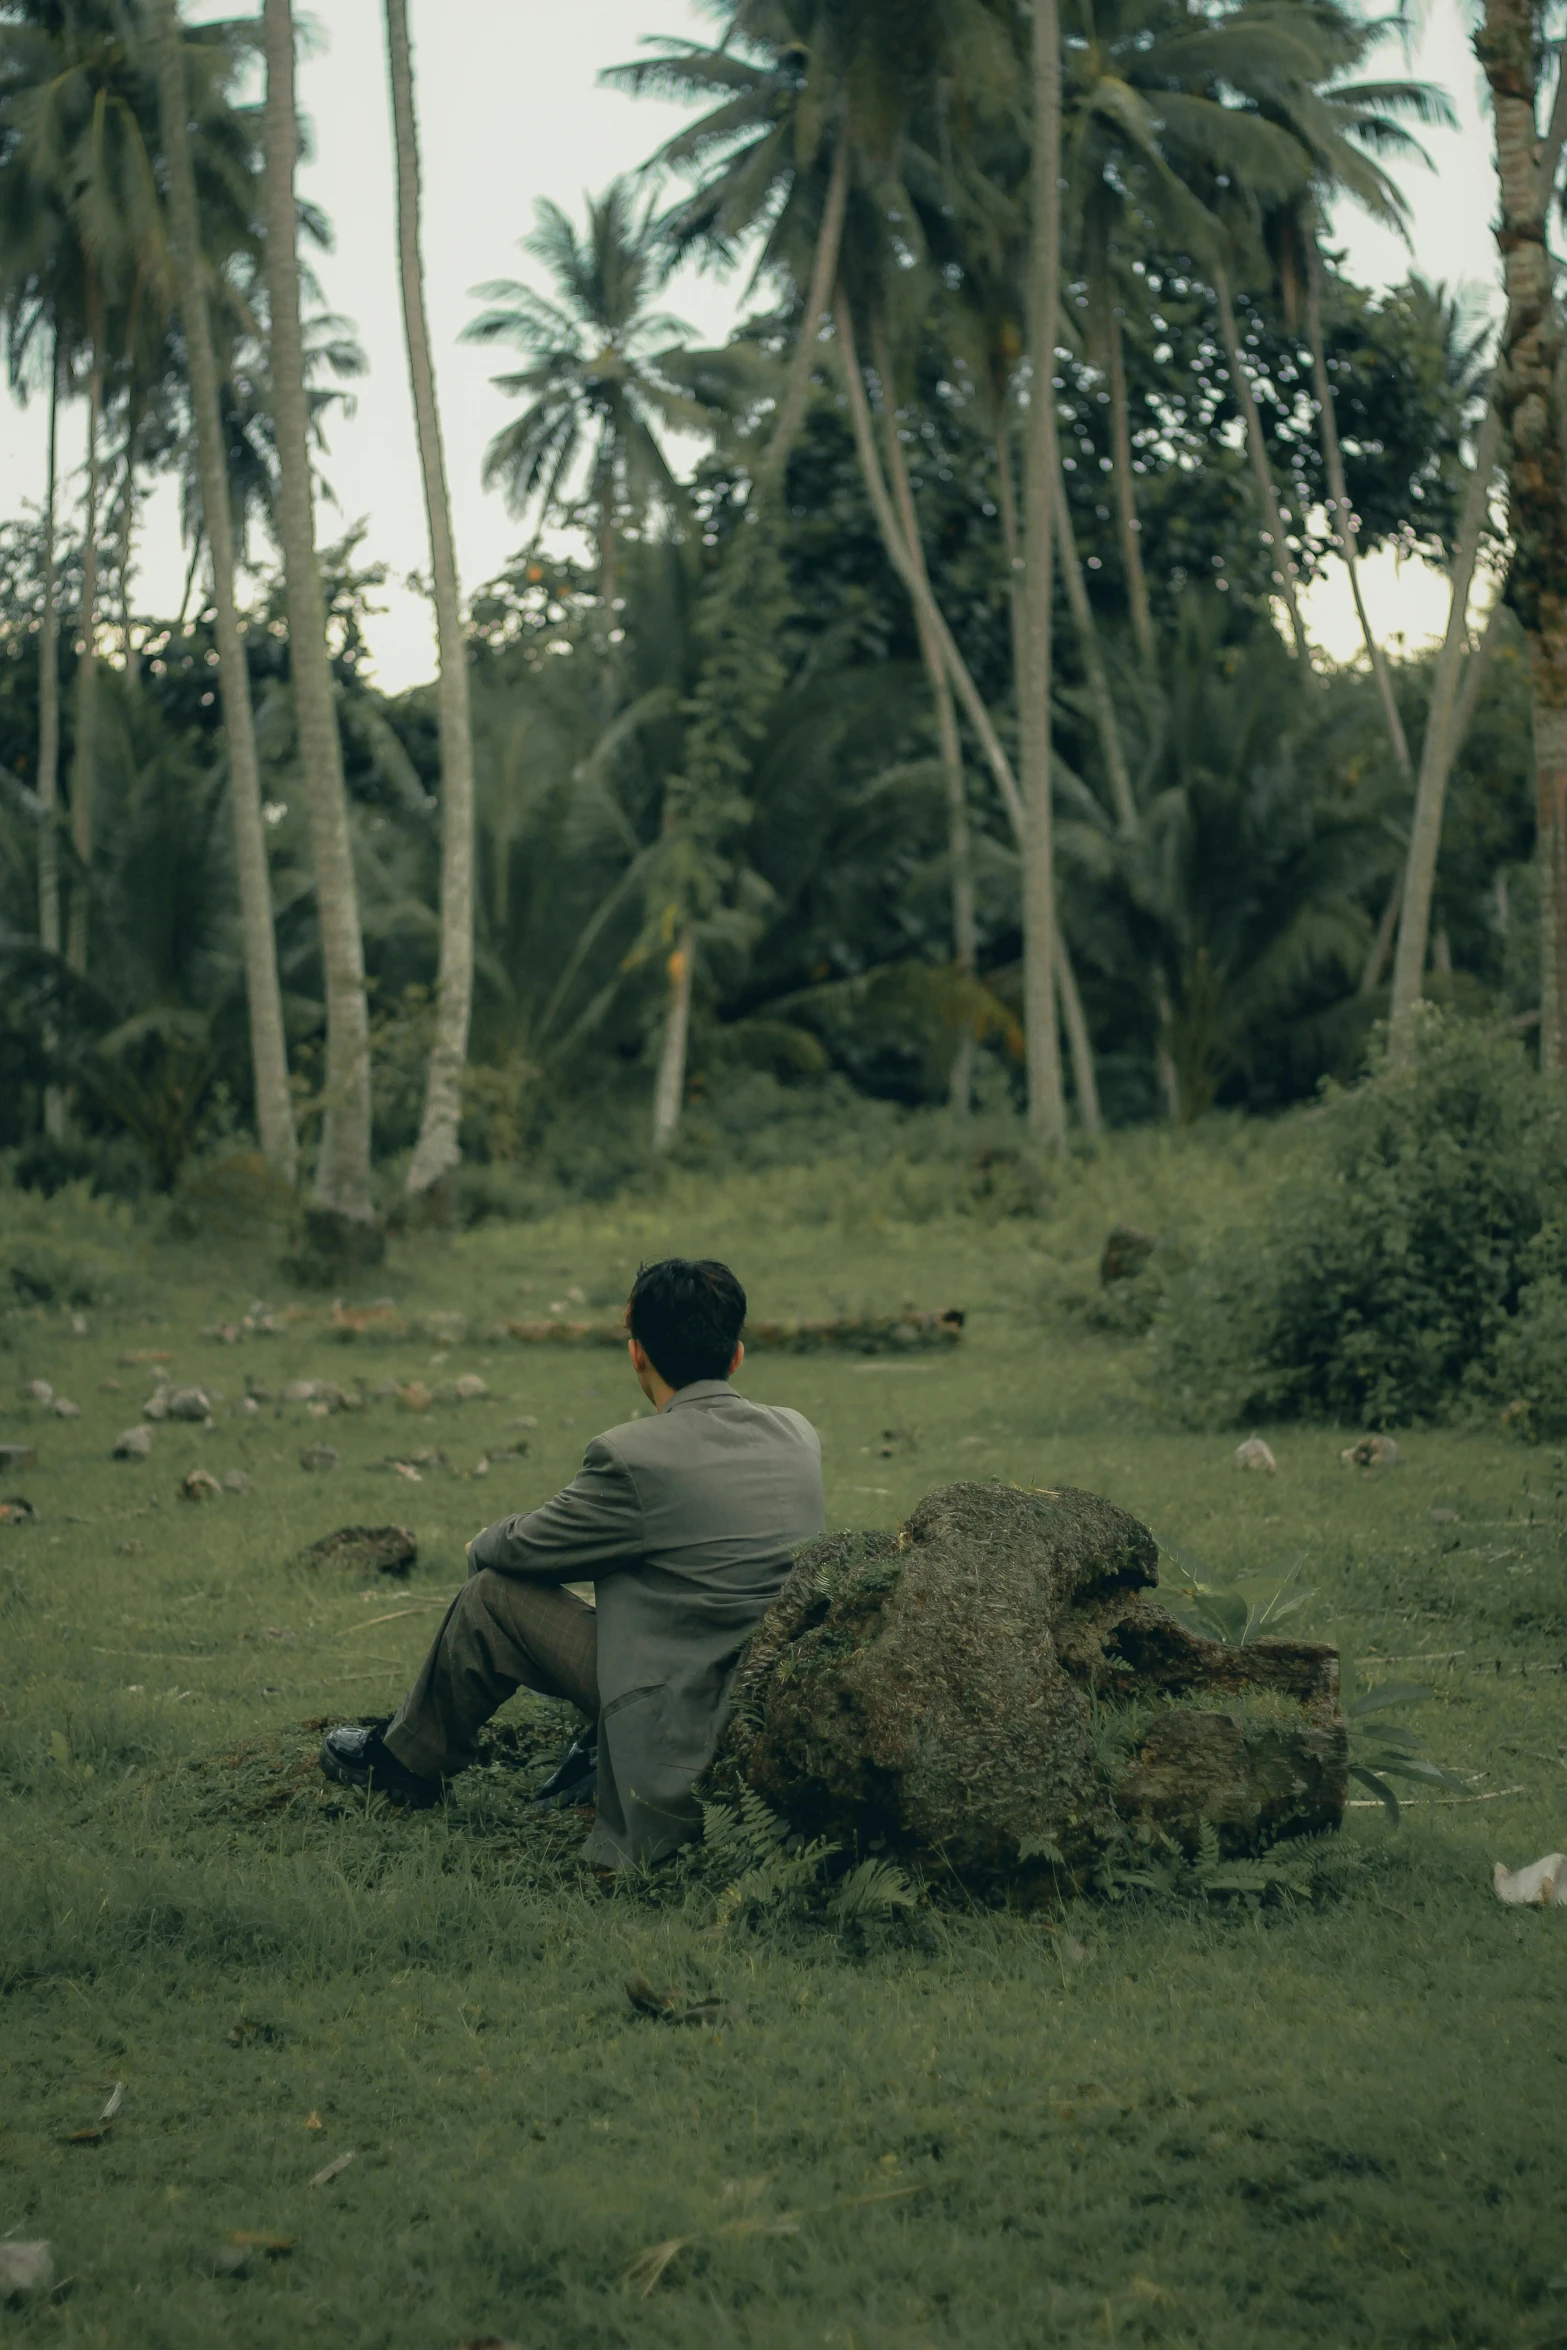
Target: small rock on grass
point(25, 2269)
point(320, 1456)
point(199, 1485)
point(1442, 1517)
point(40, 1392)
point(380, 1550)
point(1370, 1452)
point(15, 1457)
point(133, 1444)
point(64, 1409)
point(1254, 1454)
point(236, 1481)
point(189, 1403)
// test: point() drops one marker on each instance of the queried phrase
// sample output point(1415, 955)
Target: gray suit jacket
point(685, 1522)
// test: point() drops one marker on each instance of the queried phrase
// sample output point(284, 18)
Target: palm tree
point(268, 1048)
point(438, 1148)
point(814, 101)
point(1533, 418)
point(342, 1181)
point(603, 379)
point(1041, 473)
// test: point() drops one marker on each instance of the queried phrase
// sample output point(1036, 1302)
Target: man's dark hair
point(687, 1315)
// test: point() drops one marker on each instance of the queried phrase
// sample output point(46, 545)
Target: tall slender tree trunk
point(818, 299)
point(84, 766)
point(49, 742)
point(670, 1086)
point(1128, 529)
point(1085, 1082)
point(1534, 441)
point(1046, 1105)
point(438, 1149)
point(268, 1049)
point(1261, 470)
point(127, 538)
point(903, 564)
point(1341, 513)
point(342, 1182)
point(1111, 748)
point(949, 745)
point(1441, 743)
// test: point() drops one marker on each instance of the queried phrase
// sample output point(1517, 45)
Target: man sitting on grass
point(685, 1524)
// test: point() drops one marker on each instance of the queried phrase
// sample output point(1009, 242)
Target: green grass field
point(1328, 2123)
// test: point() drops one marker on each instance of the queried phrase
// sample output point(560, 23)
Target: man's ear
point(638, 1356)
point(739, 1358)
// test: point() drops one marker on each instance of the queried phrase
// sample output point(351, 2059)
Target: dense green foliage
point(1409, 1262)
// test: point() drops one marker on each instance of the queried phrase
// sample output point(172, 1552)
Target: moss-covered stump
point(994, 1677)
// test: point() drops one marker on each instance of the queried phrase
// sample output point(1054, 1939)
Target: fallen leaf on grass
point(1538, 1886)
point(24, 2269)
point(313, 2121)
point(649, 2266)
point(116, 2100)
point(87, 2137)
point(260, 2240)
point(332, 2170)
point(672, 2007)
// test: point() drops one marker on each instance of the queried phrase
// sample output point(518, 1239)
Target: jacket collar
point(699, 1391)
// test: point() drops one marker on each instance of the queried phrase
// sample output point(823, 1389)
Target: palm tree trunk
point(1261, 470)
point(1340, 513)
point(127, 534)
point(959, 846)
point(342, 1181)
point(670, 1089)
point(818, 298)
point(268, 1048)
point(84, 765)
point(1046, 1105)
point(1111, 748)
point(1530, 405)
point(49, 742)
point(919, 588)
point(190, 575)
point(438, 1148)
point(1442, 738)
point(1128, 529)
point(1084, 1081)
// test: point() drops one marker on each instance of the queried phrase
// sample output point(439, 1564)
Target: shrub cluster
point(1415, 1258)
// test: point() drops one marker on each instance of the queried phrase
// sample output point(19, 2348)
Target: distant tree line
point(898, 721)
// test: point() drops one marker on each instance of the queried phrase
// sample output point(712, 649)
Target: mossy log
point(994, 1676)
point(856, 1333)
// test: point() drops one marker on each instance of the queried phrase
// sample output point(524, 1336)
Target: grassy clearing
point(1339, 2123)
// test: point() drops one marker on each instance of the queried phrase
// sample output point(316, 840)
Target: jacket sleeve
point(591, 1527)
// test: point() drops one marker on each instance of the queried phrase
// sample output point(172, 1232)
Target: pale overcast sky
point(510, 111)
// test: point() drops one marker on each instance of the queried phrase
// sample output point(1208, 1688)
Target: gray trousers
point(501, 1633)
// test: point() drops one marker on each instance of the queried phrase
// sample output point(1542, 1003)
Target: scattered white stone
point(250, 1408)
point(25, 2269)
point(1254, 1454)
point(156, 1406)
point(189, 1403)
point(199, 1485)
point(236, 1482)
point(64, 1409)
point(1541, 1884)
point(40, 1392)
point(133, 1444)
point(78, 1325)
point(470, 1387)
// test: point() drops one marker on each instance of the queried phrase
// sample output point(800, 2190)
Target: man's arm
point(592, 1526)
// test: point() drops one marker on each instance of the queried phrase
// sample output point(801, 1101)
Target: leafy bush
point(1404, 1264)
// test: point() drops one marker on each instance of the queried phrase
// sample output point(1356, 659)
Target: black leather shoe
point(355, 1755)
point(575, 1778)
